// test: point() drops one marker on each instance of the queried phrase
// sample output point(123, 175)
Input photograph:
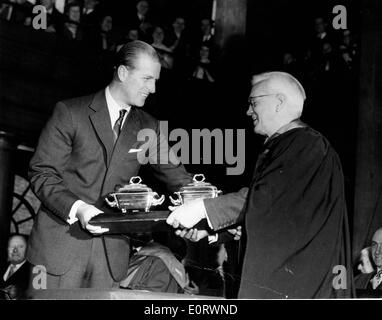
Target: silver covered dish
point(134, 197)
point(195, 190)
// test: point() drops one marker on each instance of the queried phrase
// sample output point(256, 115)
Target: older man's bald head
point(283, 83)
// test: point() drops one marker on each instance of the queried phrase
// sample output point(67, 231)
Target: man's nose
point(152, 87)
point(379, 249)
point(249, 111)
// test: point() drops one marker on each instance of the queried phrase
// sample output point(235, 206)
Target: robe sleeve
point(225, 210)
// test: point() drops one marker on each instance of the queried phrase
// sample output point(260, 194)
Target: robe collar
point(297, 123)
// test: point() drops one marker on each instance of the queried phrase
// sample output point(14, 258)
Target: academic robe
point(295, 218)
point(155, 268)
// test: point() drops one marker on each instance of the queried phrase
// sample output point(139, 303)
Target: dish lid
point(198, 186)
point(134, 186)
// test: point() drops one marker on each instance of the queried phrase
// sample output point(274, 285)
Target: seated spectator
point(371, 269)
point(321, 37)
point(54, 18)
point(141, 20)
point(177, 40)
point(330, 59)
point(176, 37)
point(71, 29)
point(206, 36)
point(164, 52)
point(200, 75)
point(16, 12)
point(203, 68)
point(327, 68)
point(15, 278)
point(348, 49)
point(290, 64)
point(131, 35)
point(104, 38)
point(90, 15)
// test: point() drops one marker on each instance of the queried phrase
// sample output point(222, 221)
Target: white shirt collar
point(114, 107)
point(88, 11)
point(322, 35)
point(206, 37)
point(18, 266)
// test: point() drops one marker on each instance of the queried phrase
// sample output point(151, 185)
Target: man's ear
point(282, 100)
point(122, 72)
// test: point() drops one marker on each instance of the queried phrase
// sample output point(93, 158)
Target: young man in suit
point(15, 278)
point(294, 210)
point(87, 148)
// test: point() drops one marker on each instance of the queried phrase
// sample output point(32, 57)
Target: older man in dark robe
point(294, 210)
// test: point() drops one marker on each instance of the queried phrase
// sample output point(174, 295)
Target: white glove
point(84, 213)
point(187, 215)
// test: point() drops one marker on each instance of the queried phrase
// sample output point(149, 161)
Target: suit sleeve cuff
point(213, 238)
point(208, 219)
point(73, 211)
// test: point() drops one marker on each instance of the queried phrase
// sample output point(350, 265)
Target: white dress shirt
point(17, 267)
point(377, 279)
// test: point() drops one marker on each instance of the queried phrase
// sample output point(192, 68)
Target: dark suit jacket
point(55, 19)
point(67, 34)
point(362, 281)
point(75, 160)
point(19, 279)
point(19, 12)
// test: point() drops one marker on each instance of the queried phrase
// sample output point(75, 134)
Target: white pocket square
point(134, 150)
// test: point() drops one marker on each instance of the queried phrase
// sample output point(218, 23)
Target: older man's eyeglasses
point(252, 100)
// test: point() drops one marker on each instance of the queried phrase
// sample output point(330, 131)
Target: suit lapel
point(100, 119)
point(126, 140)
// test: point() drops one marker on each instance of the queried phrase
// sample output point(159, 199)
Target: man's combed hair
point(128, 53)
point(292, 81)
point(286, 83)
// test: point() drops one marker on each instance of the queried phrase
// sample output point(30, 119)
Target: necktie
point(377, 279)
point(12, 269)
point(118, 124)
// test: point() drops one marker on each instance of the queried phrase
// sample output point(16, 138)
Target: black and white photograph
point(204, 151)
